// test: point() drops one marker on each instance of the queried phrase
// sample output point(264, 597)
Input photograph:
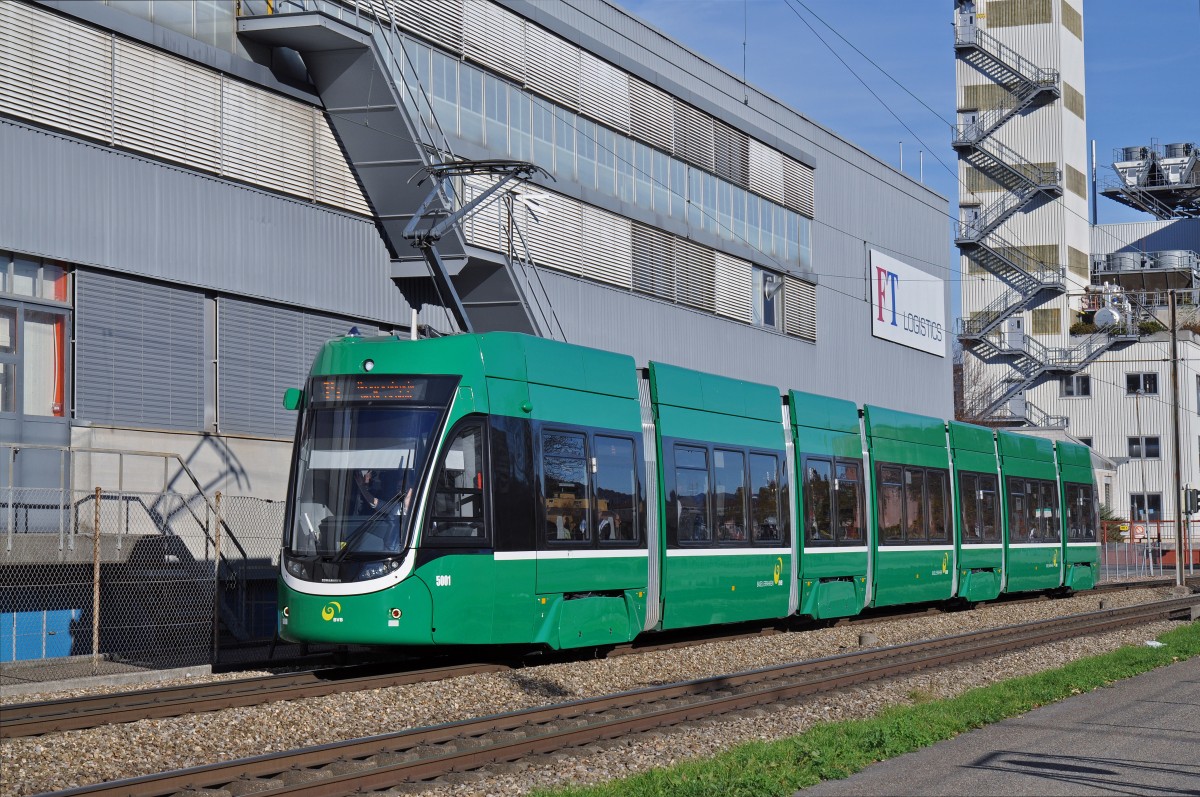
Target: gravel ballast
point(76, 758)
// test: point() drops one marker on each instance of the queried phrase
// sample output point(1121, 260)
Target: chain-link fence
point(1147, 549)
point(100, 582)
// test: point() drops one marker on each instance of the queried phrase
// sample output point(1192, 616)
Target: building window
point(767, 289)
point(1077, 386)
point(1143, 448)
point(33, 336)
point(1147, 383)
point(1087, 441)
point(1146, 507)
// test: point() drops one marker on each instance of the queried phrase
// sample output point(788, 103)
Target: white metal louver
point(653, 261)
point(800, 309)
point(439, 21)
point(267, 139)
point(605, 92)
point(494, 37)
point(651, 114)
point(55, 72)
point(552, 66)
point(731, 150)
point(165, 107)
point(554, 238)
point(335, 183)
point(734, 286)
point(695, 275)
point(693, 135)
point(608, 247)
point(798, 187)
point(485, 228)
point(766, 171)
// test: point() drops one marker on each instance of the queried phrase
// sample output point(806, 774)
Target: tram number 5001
point(443, 581)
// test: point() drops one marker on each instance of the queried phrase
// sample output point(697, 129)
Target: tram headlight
point(296, 568)
point(372, 570)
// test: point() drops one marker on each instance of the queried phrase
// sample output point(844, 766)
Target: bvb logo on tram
point(331, 611)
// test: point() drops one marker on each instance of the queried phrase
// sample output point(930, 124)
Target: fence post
point(12, 518)
point(96, 586)
point(216, 618)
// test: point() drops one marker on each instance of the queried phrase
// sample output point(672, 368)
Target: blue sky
point(1141, 80)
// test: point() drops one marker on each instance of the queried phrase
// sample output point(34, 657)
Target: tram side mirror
point(293, 397)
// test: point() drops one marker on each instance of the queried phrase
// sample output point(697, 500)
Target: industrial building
point(1060, 316)
point(201, 193)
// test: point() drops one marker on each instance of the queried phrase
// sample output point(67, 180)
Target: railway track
point(36, 718)
point(381, 762)
point(68, 714)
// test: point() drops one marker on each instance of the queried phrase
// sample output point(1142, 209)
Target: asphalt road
point(1141, 736)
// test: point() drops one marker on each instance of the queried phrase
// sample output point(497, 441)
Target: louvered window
point(605, 92)
point(552, 66)
point(733, 287)
point(695, 270)
point(800, 309)
point(439, 21)
point(732, 154)
point(766, 171)
point(55, 72)
point(611, 260)
point(554, 239)
point(651, 115)
point(653, 262)
point(693, 135)
point(167, 108)
point(798, 187)
point(495, 38)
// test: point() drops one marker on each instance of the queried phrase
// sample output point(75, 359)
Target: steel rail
point(36, 718)
point(384, 761)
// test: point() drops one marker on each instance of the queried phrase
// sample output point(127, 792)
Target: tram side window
point(891, 503)
point(458, 507)
point(616, 489)
point(1080, 520)
point(968, 487)
point(989, 509)
point(914, 504)
point(980, 509)
point(690, 497)
point(848, 501)
point(764, 499)
point(1018, 526)
point(1049, 523)
point(818, 519)
point(565, 487)
point(939, 527)
point(729, 495)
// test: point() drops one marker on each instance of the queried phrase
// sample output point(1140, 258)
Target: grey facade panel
point(139, 353)
point(94, 206)
point(846, 362)
point(262, 351)
point(1146, 236)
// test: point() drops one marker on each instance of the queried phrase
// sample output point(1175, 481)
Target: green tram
point(501, 489)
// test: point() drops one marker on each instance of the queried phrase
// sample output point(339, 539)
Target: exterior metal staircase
point(385, 124)
point(1028, 281)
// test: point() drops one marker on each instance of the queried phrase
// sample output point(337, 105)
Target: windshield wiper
point(381, 511)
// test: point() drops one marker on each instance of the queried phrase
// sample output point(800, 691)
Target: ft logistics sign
point(907, 305)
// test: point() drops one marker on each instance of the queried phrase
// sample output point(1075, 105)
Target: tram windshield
point(362, 449)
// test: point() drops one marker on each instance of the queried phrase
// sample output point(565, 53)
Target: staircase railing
point(1010, 59)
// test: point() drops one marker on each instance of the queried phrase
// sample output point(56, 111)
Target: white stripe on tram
point(623, 553)
point(672, 552)
point(833, 549)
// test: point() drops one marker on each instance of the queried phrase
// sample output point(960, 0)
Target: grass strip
point(832, 750)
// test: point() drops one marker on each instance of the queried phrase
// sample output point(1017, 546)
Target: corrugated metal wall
point(262, 351)
point(139, 353)
point(90, 205)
